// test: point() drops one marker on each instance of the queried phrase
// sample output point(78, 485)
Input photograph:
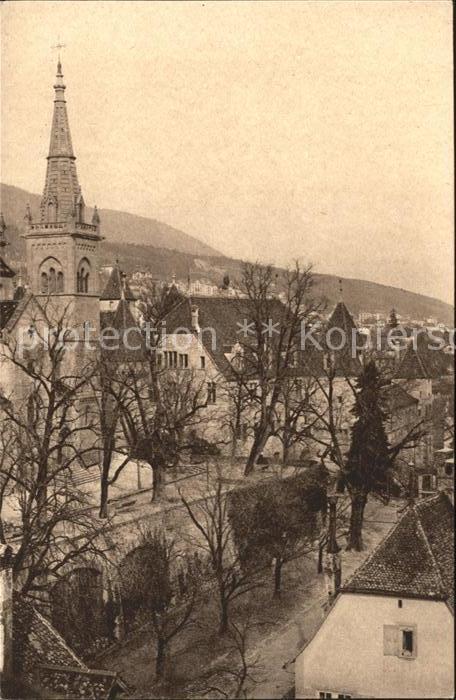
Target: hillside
point(118, 226)
point(174, 252)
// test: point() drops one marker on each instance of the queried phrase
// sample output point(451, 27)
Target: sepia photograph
point(226, 349)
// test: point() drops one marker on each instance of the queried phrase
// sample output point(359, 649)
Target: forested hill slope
point(164, 251)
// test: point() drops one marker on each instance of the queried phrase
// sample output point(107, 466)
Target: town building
point(390, 630)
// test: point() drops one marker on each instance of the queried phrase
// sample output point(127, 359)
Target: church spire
point(61, 189)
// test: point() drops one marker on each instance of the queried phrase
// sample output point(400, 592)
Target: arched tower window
point(52, 280)
point(44, 283)
point(51, 211)
point(51, 277)
point(83, 276)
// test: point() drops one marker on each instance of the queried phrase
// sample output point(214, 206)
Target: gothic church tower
point(62, 248)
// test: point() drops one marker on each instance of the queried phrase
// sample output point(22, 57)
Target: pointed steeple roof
point(116, 287)
point(423, 359)
point(61, 189)
point(341, 318)
point(344, 340)
point(60, 143)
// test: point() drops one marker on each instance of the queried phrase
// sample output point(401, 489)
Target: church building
point(63, 289)
point(62, 247)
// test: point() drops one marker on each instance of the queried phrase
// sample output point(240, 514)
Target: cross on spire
point(59, 46)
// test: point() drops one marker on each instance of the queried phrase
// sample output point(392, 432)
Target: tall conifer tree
point(369, 458)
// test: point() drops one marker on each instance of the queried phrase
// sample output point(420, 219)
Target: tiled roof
point(45, 662)
point(416, 558)
point(113, 288)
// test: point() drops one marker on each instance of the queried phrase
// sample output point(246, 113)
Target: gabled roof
point(416, 558)
point(341, 318)
point(225, 315)
point(113, 289)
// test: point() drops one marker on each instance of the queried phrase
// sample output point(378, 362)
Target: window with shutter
point(390, 640)
point(400, 641)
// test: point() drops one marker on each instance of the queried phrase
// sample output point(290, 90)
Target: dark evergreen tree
point(392, 321)
point(369, 457)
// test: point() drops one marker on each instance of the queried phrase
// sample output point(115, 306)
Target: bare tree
point(149, 411)
point(158, 415)
point(112, 396)
point(214, 535)
point(48, 439)
point(294, 413)
point(331, 409)
point(272, 340)
point(229, 681)
point(278, 520)
point(161, 586)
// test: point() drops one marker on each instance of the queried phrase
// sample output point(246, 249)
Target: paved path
point(278, 649)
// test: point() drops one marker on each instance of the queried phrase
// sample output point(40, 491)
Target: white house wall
point(346, 655)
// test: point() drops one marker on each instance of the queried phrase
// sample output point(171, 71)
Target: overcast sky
point(270, 130)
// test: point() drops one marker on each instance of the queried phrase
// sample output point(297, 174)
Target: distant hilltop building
point(198, 287)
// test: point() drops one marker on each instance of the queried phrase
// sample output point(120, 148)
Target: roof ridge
point(59, 637)
point(374, 551)
point(431, 553)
